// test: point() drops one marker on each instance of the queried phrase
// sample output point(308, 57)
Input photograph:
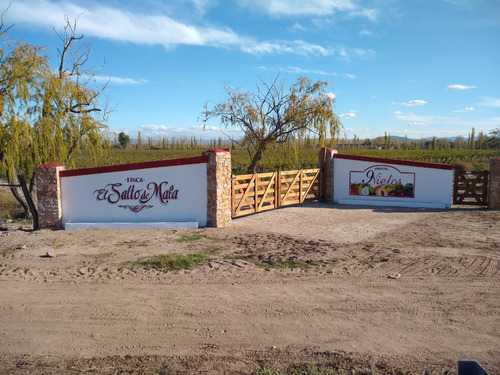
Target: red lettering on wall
point(114, 193)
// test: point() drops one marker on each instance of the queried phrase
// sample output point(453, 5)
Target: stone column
point(326, 164)
point(219, 188)
point(494, 185)
point(48, 192)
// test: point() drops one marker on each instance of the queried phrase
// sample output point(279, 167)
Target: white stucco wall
point(160, 194)
point(432, 187)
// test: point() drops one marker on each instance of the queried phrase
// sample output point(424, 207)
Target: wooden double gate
point(470, 187)
point(264, 191)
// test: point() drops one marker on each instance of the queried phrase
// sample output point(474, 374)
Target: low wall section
point(177, 193)
point(388, 182)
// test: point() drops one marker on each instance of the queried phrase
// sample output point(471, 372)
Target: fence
point(470, 187)
point(258, 192)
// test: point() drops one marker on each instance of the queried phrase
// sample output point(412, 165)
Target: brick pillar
point(326, 164)
point(494, 185)
point(48, 192)
point(219, 188)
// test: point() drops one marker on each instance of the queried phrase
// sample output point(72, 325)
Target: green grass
point(340, 368)
point(313, 369)
point(191, 237)
point(289, 263)
point(292, 263)
point(132, 243)
point(174, 262)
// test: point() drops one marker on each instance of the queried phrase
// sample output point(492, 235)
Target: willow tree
point(275, 113)
point(47, 111)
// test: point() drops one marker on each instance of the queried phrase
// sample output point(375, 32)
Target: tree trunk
point(15, 193)
point(29, 201)
point(255, 160)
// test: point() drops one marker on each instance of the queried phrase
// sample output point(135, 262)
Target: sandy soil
point(86, 308)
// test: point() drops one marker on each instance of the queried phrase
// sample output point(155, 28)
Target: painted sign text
point(382, 180)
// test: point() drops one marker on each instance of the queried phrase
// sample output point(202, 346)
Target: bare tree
point(275, 113)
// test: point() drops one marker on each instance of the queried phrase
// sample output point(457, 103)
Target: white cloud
point(466, 109)
point(437, 125)
point(348, 115)
point(349, 76)
point(417, 120)
point(331, 95)
point(490, 102)
point(371, 14)
point(121, 80)
point(201, 6)
point(119, 24)
point(411, 103)
point(298, 70)
point(319, 8)
point(460, 87)
point(366, 32)
point(298, 47)
point(198, 131)
point(363, 53)
point(297, 27)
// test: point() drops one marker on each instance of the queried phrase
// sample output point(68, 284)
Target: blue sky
point(416, 67)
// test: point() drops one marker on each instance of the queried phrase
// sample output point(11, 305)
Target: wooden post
point(494, 185)
point(277, 190)
point(301, 199)
point(456, 176)
point(233, 196)
point(256, 193)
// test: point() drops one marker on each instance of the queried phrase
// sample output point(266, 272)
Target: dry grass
point(9, 208)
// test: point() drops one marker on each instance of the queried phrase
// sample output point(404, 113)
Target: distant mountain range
point(398, 138)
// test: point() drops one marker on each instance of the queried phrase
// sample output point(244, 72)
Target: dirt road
point(86, 307)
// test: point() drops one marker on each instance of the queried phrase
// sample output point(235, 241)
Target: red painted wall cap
point(409, 163)
point(51, 165)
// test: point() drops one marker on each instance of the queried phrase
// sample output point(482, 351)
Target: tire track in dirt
point(461, 266)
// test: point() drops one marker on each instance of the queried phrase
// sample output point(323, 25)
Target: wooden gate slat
point(310, 185)
point(245, 195)
point(472, 185)
point(267, 191)
point(289, 190)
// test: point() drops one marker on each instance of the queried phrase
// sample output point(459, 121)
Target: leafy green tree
point(494, 139)
point(46, 113)
point(139, 141)
point(472, 139)
point(123, 140)
point(276, 113)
